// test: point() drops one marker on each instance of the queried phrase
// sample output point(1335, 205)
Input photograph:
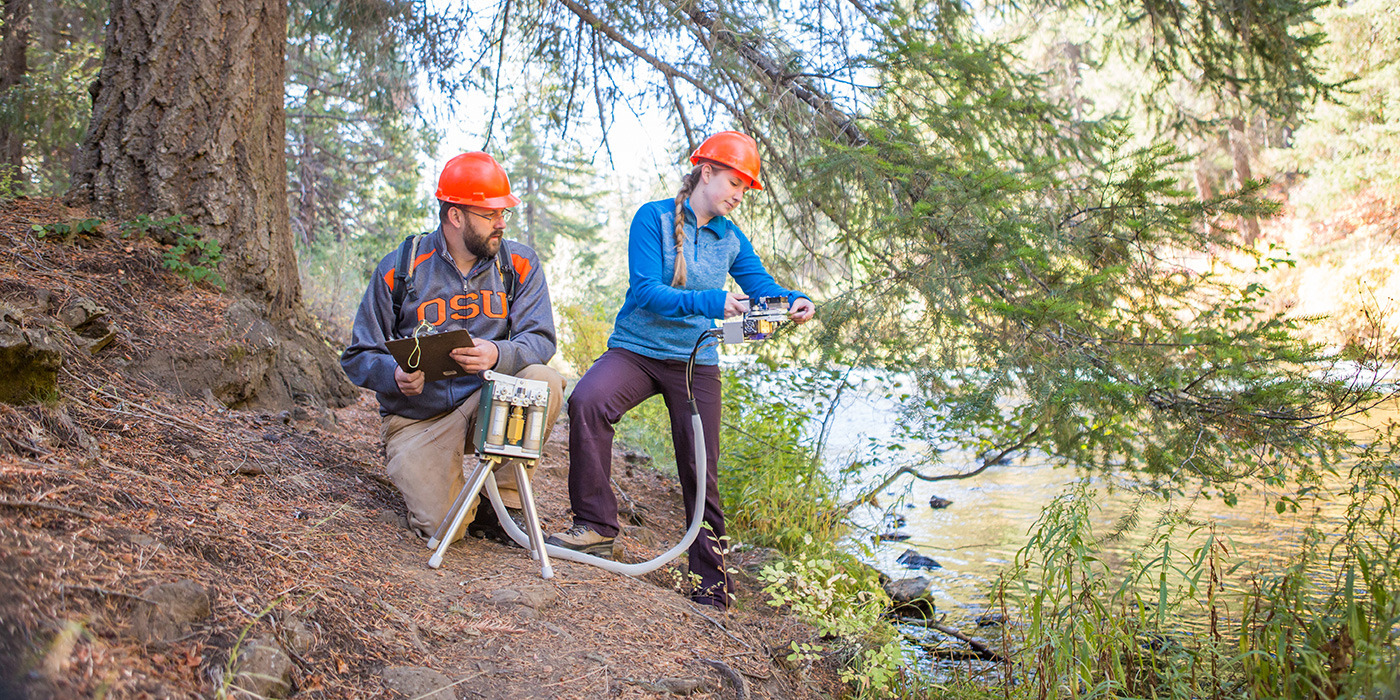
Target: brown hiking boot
point(582, 538)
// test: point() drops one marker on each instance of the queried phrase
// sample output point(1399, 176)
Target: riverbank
point(157, 543)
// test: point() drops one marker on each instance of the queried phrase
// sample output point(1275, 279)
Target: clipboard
point(430, 353)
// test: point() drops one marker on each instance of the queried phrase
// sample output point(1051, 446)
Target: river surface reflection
point(992, 514)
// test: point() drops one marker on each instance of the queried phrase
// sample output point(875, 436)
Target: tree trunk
point(188, 119)
point(14, 43)
point(306, 199)
point(1205, 190)
point(1239, 151)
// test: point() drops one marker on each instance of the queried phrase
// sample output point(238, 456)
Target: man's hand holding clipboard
point(409, 384)
point(434, 356)
point(481, 356)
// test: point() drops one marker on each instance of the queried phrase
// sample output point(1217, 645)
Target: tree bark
point(188, 119)
point(14, 44)
point(1239, 152)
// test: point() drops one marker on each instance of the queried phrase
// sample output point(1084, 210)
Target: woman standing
point(680, 252)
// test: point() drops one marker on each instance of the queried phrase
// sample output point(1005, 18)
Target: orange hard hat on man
point(733, 149)
point(475, 179)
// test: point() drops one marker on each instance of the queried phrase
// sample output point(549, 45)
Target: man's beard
point(482, 247)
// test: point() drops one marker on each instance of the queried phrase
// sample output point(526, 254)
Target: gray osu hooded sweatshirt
point(444, 298)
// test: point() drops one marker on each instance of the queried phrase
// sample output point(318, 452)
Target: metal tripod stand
point(485, 469)
point(510, 426)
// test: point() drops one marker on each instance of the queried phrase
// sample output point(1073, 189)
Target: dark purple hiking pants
point(617, 382)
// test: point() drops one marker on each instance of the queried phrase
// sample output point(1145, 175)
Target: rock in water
point(910, 597)
point(939, 503)
point(911, 559)
point(991, 619)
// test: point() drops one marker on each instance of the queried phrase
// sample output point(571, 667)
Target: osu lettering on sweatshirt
point(446, 299)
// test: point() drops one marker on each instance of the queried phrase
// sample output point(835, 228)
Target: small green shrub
point(845, 603)
point(584, 329)
point(144, 224)
point(9, 182)
point(67, 232)
point(189, 256)
point(196, 260)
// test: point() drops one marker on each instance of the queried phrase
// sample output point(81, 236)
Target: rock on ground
point(167, 610)
point(31, 360)
point(418, 682)
point(263, 670)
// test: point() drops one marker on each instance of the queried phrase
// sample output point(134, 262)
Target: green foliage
point(195, 259)
point(165, 227)
point(583, 332)
point(355, 145)
point(776, 494)
point(1187, 617)
point(50, 107)
point(66, 232)
point(9, 183)
point(775, 491)
point(822, 592)
point(1351, 142)
point(557, 189)
point(647, 428)
point(845, 603)
point(1041, 274)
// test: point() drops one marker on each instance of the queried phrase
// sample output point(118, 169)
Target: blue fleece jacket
point(663, 322)
point(446, 299)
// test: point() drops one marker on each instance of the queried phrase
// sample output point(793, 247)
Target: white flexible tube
point(698, 516)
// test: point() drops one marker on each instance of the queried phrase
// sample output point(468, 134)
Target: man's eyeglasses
point(502, 214)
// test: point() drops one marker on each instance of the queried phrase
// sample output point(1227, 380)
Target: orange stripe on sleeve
point(389, 279)
point(521, 265)
point(420, 259)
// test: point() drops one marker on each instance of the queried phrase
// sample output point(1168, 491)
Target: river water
point(992, 514)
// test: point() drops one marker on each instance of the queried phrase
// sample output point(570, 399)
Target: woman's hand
point(802, 310)
point(735, 305)
point(481, 356)
point(409, 384)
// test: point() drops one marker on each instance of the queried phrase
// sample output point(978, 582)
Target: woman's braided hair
point(688, 184)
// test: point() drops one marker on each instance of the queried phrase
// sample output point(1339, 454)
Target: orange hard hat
point(731, 148)
point(475, 179)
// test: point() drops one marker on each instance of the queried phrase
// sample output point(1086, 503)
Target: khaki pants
point(424, 458)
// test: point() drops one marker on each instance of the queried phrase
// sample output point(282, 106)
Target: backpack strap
point(403, 274)
point(510, 280)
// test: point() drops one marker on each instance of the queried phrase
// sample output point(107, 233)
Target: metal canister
point(534, 428)
point(496, 430)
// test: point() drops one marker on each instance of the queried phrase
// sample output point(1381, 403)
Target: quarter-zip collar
point(719, 225)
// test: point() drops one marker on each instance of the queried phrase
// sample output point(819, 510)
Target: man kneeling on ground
point(462, 275)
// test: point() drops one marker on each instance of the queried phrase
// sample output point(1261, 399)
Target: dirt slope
point(123, 480)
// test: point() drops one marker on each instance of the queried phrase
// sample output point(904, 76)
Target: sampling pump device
point(510, 423)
